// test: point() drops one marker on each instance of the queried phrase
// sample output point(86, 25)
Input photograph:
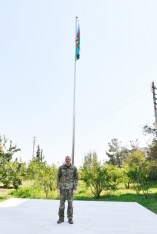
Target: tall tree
point(39, 156)
point(152, 148)
point(115, 153)
point(150, 130)
point(118, 154)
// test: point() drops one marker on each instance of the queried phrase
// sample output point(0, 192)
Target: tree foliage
point(43, 175)
point(11, 171)
point(115, 153)
point(118, 153)
point(152, 149)
point(39, 156)
point(140, 172)
point(98, 176)
point(150, 130)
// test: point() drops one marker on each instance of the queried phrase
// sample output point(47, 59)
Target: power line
point(115, 103)
point(117, 108)
point(67, 128)
point(102, 116)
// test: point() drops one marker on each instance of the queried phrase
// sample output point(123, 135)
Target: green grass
point(121, 195)
point(5, 194)
point(30, 192)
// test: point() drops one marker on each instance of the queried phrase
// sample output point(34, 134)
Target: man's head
point(67, 160)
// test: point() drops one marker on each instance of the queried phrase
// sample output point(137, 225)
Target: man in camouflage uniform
point(67, 180)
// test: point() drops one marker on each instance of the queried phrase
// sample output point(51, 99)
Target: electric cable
point(117, 108)
point(81, 125)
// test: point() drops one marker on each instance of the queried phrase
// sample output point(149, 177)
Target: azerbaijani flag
point(78, 43)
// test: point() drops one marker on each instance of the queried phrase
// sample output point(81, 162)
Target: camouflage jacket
point(67, 177)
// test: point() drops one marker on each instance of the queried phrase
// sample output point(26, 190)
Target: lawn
point(4, 193)
point(120, 195)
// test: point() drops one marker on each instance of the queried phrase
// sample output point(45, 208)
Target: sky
point(113, 76)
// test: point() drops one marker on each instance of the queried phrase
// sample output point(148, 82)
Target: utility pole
point(34, 139)
point(154, 102)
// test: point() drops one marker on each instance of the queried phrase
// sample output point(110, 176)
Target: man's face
point(67, 160)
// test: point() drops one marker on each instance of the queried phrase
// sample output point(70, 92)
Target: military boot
point(70, 221)
point(61, 220)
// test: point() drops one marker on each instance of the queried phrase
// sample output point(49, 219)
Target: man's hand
point(74, 191)
point(58, 190)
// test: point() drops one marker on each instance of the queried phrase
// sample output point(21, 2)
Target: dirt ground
point(2, 189)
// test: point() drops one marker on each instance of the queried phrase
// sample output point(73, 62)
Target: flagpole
point(73, 134)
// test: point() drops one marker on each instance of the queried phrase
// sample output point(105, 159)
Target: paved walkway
point(33, 216)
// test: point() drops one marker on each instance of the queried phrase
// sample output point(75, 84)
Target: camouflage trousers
point(66, 194)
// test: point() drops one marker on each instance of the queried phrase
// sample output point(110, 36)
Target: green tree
point(39, 156)
point(125, 179)
point(152, 151)
point(140, 177)
point(150, 130)
point(18, 172)
point(135, 158)
point(112, 177)
point(115, 153)
point(97, 176)
point(6, 164)
point(141, 172)
point(43, 175)
point(118, 154)
point(152, 148)
point(131, 169)
point(46, 178)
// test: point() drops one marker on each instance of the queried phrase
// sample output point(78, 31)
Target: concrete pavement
point(33, 216)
